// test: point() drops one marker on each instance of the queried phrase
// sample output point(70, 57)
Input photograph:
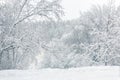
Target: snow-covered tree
point(103, 25)
point(15, 13)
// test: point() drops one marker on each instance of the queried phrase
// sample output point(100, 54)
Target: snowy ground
point(84, 73)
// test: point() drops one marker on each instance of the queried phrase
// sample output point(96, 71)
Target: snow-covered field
point(84, 73)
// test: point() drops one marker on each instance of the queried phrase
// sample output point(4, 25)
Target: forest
point(34, 35)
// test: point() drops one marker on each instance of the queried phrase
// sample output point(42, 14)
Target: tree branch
point(21, 9)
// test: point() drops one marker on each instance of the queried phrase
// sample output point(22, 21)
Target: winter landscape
point(59, 40)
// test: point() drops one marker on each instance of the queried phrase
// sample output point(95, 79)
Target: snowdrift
point(84, 73)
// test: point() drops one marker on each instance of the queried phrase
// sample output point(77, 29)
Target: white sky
point(72, 8)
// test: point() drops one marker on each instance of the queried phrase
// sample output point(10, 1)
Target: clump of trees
point(91, 40)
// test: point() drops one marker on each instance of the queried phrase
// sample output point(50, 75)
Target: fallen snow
point(84, 73)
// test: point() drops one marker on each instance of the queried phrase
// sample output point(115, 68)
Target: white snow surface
point(83, 73)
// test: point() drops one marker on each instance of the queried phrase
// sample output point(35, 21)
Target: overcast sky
point(72, 8)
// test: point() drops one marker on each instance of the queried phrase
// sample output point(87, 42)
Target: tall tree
point(15, 12)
